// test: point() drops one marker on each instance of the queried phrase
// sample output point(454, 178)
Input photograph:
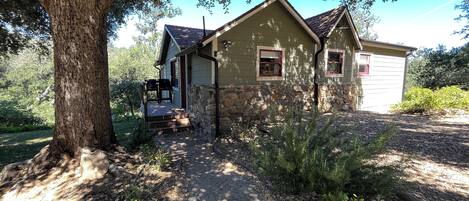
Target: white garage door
point(382, 87)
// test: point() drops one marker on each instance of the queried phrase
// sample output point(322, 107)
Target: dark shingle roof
point(186, 36)
point(323, 23)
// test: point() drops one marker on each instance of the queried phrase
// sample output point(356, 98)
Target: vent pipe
point(203, 21)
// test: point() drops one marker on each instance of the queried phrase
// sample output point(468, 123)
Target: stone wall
point(334, 97)
point(201, 101)
point(251, 103)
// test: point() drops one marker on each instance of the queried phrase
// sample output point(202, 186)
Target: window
point(335, 63)
point(271, 63)
point(174, 80)
point(364, 63)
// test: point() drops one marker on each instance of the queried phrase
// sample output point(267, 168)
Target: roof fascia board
point(351, 24)
point(172, 37)
point(160, 54)
point(285, 4)
point(387, 46)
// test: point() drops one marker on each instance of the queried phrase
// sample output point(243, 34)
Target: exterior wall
point(243, 97)
point(339, 93)
point(252, 103)
point(173, 49)
point(202, 110)
point(272, 27)
point(384, 84)
point(201, 68)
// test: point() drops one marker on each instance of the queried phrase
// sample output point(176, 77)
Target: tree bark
point(82, 107)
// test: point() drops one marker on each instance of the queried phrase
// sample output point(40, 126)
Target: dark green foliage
point(420, 100)
point(436, 68)
point(25, 23)
point(140, 135)
point(304, 155)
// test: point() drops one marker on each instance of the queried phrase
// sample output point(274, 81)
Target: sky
point(417, 23)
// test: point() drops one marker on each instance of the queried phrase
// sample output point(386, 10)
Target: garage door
point(382, 87)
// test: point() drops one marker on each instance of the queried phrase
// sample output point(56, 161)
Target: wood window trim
point(367, 73)
point(258, 59)
point(326, 57)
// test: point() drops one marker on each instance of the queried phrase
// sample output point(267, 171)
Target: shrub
point(419, 100)
point(157, 158)
point(140, 135)
point(451, 98)
point(302, 156)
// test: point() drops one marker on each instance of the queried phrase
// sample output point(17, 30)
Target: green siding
point(202, 68)
point(341, 39)
point(274, 27)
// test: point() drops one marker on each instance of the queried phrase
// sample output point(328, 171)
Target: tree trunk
point(82, 108)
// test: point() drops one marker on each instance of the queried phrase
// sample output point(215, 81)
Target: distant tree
point(464, 7)
point(364, 21)
point(128, 67)
point(439, 67)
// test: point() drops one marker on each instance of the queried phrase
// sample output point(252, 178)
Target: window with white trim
point(364, 63)
point(270, 63)
point(335, 62)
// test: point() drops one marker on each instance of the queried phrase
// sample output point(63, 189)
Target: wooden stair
point(172, 123)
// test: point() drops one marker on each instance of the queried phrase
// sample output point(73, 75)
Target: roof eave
point(380, 44)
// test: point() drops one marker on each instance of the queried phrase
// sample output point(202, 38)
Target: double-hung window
point(335, 63)
point(364, 63)
point(270, 63)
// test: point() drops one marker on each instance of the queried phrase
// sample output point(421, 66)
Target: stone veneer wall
point(201, 101)
point(251, 103)
point(335, 97)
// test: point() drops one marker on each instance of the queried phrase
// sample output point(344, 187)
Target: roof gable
point(255, 10)
point(324, 23)
point(185, 36)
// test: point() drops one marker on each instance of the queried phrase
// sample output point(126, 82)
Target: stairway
point(174, 120)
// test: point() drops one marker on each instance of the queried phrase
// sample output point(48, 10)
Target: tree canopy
point(25, 23)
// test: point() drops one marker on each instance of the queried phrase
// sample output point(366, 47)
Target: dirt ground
point(436, 151)
point(433, 152)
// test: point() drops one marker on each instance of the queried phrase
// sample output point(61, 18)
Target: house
point(272, 55)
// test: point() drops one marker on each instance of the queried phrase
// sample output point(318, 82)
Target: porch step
point(181, 115)
point(168, 123)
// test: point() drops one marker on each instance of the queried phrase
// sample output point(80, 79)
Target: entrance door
point(183, 83)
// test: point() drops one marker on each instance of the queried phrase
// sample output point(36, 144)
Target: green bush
point(451, 98)
point(419, 100)
point(301, 155)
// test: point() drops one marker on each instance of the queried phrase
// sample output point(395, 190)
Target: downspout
point(406, 66)
point(316, 72)
point(217, 90)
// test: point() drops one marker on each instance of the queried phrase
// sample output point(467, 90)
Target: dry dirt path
point(208, 177)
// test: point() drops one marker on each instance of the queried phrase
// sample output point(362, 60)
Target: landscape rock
point(93, 164)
